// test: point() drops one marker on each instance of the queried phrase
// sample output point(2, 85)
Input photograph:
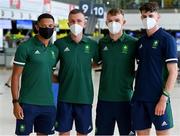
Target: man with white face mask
point(156, 76)
point(76, 89)
point(117, 53)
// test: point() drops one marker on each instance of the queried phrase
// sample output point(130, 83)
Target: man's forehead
point(78, 15)
point(46, 20)
point(148, 12)
point(115, 16)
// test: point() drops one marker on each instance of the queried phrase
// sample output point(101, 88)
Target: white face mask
point(76, 29)
point(114, 27)
point(149, 22)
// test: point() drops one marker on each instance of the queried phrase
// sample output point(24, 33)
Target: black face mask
point(46, 33)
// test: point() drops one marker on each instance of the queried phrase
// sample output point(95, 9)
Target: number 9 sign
point(85, 7)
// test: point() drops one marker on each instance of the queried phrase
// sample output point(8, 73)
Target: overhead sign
point(98, 10)
point(91, 9)
point(85, 7)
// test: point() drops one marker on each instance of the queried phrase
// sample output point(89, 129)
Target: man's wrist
point(164, 98)
point(166, 93)
point(14, 101)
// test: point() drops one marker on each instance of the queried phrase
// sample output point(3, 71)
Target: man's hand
point(161, 106)
point(18, 111)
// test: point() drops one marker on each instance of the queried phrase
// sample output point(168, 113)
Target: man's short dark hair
point(75, 11)
point(149, 7)
point(115, 11)
point(45, 15)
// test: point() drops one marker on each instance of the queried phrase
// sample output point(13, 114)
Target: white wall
point(133, 21)
point(170, 21)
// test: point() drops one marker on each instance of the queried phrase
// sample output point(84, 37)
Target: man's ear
point(68, 24)
point(159, 16)
point(106, 23)
point(124, 22)
point(37, 27)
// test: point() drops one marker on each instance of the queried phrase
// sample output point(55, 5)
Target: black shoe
point(6, 84)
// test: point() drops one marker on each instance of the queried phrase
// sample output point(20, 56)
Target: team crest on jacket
point(53, 54)
point(125, 49)
point(87, 49)
point(22, 128)
point(155, 44)
point(105, 48)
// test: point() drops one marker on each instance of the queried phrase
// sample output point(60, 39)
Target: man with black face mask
point(35, 59)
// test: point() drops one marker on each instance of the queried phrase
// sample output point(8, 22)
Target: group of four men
point(36, 58)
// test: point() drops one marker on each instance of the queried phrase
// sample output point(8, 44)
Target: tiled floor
point(7, 120)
